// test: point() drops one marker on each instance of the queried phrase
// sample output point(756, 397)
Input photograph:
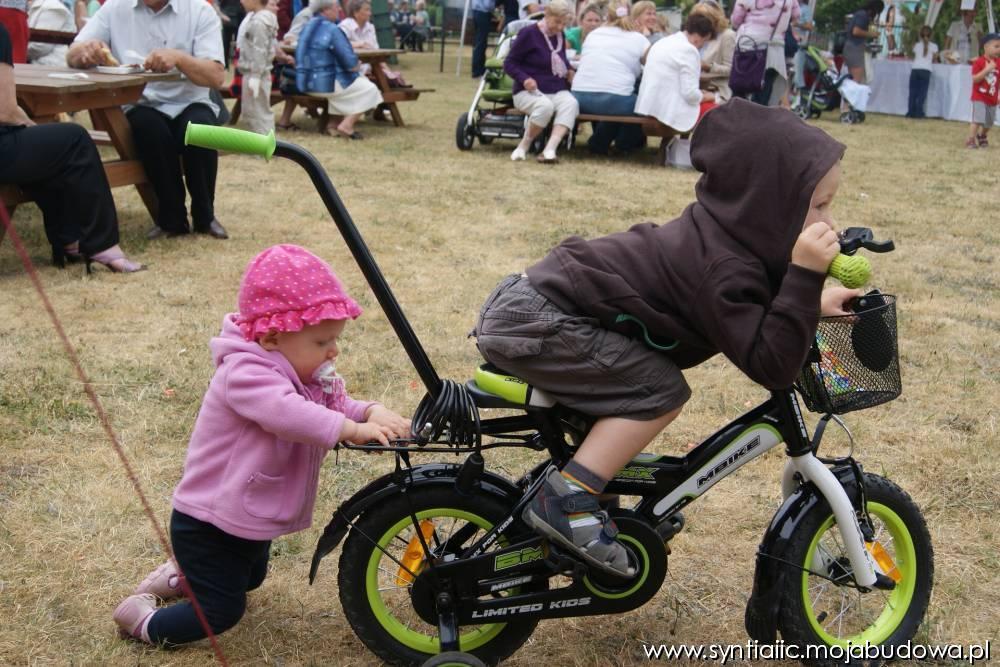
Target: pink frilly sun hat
point(285, 288)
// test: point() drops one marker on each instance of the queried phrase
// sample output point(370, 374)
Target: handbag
point(791, 44)
point(750, 63)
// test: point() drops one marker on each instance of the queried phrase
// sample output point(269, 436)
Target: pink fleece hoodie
point(252, 466)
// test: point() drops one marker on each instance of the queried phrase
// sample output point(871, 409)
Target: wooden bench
point(651, 127)
point(389, 100)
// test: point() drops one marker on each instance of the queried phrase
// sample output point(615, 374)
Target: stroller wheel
point(464, 133)
point(486, 141)
point(847, 118)
point(861, 116)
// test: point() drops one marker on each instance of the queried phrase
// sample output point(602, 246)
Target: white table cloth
point(949, 96)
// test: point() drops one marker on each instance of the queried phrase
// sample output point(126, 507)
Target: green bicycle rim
point(899, 599)
point(419, 641)
point(645, 573)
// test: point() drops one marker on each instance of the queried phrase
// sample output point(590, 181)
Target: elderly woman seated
point(538, 65)
point(328, 67)
point(669, 89)
point(717, 55)
point(360, 32)
point(605, 80)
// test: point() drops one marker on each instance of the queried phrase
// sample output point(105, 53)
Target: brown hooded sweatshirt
point(719, 278)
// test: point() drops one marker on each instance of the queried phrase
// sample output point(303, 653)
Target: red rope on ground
point(106, 423)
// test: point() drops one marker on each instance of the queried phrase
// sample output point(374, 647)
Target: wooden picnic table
point(390, 95)
point(44, 92)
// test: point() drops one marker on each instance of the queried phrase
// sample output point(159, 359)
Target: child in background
point(984, 92)
point(741, 272)
point(924, 54)
point(273, 410)
point(255, 42)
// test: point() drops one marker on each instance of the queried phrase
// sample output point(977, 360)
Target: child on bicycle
point(273, 410)
point(606, 325)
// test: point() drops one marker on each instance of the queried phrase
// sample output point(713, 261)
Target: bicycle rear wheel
point(376, 592)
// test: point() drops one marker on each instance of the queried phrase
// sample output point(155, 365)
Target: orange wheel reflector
point(414, 557)
point(884, 561)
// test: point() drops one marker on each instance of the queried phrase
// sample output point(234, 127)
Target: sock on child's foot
point(582, 479)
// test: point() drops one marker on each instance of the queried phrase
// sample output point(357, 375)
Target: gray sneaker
point(590, 535)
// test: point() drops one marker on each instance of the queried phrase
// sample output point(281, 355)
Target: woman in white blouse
point(669, 90)
point(605, 80)
point(360, 33)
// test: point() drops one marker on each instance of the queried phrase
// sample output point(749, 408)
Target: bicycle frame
point(666, 484)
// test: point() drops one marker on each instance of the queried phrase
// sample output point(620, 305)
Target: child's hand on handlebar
point(364, 432)
point(834, 301)
point(399, 427)
point(816, 247)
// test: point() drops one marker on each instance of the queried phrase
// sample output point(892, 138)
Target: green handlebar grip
point(851, 270)
point(230, 139)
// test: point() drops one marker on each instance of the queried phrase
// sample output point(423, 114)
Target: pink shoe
point(132, 616)
point(164, 582)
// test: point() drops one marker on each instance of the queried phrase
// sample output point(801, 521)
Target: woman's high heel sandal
point(115, 261)
point(67, 255)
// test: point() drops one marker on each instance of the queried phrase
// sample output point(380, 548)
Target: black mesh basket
point(854, 361)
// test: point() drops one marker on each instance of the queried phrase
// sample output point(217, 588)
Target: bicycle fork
point(811, 469)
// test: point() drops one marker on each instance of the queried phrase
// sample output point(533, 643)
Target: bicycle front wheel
point(821, 605)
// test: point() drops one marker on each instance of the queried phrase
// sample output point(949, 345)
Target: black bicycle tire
point(793, 624)
point(354, 560)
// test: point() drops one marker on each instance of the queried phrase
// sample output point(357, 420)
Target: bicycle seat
point(496, 388)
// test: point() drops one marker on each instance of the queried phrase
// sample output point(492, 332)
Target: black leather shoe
point(214, 229)
point(157, 232)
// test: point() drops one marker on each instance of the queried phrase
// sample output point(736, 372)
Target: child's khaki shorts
point(583, 365)
point(983, 114)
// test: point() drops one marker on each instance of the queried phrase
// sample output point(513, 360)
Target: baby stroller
point(492, 114)
point(825, 89)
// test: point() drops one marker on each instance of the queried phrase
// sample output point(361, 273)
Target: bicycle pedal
point(564, 564)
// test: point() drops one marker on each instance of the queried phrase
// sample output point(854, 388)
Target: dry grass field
point(445, 226)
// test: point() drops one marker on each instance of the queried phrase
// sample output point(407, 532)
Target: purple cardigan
point(531, 58)
point(252, 466)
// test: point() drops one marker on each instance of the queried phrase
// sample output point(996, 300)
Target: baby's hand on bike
point(816, 247)
point(398, 426)
point(835, 301)
point(364, 432)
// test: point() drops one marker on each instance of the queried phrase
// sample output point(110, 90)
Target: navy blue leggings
point(220, 569)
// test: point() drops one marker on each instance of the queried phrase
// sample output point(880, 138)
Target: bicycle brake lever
point(879, 246)
point(853, 239)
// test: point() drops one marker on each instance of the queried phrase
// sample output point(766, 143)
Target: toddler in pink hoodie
point(273, 410)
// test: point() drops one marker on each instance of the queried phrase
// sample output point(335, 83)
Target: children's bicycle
point(438, 567)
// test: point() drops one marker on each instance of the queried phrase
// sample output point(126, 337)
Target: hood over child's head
point(759, 167)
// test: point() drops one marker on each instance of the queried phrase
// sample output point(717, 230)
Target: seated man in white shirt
point(164, 35)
